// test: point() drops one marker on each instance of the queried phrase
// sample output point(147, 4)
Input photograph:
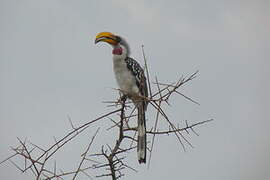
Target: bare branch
point(112, 157)
point(84, 155)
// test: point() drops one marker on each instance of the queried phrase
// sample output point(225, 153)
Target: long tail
point(141, 146)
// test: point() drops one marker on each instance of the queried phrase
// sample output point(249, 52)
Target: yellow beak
point(107, 37)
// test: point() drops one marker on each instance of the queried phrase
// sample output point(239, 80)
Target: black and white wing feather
point(138, 73)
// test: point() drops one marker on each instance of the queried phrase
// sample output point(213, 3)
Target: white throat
point(124, 78)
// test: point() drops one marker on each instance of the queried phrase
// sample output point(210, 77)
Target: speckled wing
point(138, 73)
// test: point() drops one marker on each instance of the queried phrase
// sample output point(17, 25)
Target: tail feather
point(141, 146)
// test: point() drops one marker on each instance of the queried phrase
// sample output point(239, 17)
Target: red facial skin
point(117, 51)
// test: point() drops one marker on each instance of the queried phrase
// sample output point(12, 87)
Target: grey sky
point(50, 68)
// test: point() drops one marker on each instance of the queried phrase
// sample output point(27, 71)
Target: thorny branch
point(110, 161)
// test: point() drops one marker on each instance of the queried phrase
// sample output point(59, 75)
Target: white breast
point(124, 78)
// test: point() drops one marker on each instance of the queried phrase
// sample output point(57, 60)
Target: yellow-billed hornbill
point(132, 82)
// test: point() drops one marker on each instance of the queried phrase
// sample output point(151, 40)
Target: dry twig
point(111, 158)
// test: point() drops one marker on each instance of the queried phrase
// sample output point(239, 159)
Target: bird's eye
point(118, 39)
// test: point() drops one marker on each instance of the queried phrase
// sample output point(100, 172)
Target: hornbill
point(132, 83)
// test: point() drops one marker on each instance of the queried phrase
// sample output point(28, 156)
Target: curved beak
point(107, 37)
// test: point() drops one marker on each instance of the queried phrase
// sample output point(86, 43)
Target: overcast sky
point(50, 69)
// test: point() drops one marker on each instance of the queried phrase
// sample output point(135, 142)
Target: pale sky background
point(50, 68)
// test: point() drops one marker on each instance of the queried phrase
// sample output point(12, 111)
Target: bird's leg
point(123, 98)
